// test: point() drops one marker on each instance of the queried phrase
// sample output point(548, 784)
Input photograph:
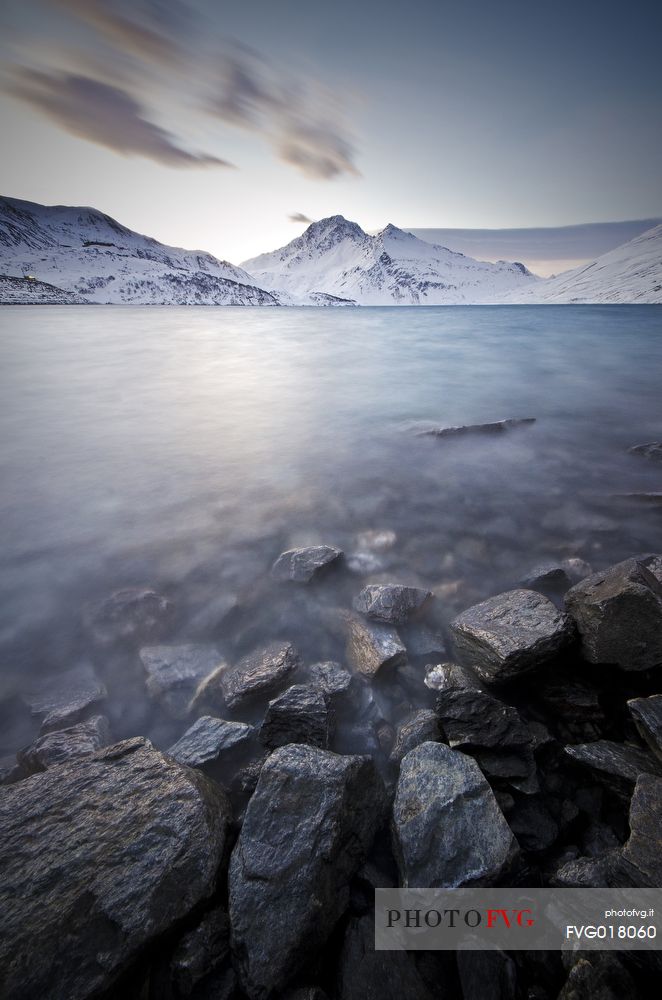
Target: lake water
point(185, 448)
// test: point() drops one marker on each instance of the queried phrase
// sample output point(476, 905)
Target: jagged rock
point(307, 831)
point(445, 676)
point(299, 715)
point(175, 673)
point(134, 614)
point(61, 745)
point(653, 450)
point(331, 678)
point(101, 856)
point(533, 824)
point(641, 857)
point(423, 643)
point(647, 715)
point(582, 873)
point(619, 615)
point(209, 739)
point(547, 577)
point(371, 646)
point(366, 974)
point(65, 698)
point(199, 967)
point(495, 427)
point(510, 634)
point(421, 726)
point(448, 830)
point(392, 603)
point(256, 675)
point(304, 565)
point(574, 707)
point(599, 976)
point(616, 766)
point(487, 975)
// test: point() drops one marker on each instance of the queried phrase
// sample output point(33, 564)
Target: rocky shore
point(518, 742)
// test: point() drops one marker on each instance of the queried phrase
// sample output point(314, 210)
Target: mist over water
point(185, 448)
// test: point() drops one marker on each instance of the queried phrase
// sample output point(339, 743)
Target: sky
point(226, 125)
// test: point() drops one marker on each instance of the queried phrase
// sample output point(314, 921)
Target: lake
point(185, 448)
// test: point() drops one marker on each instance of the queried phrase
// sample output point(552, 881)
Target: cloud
point(145, 29)
point(104, 114)
point(299, 217)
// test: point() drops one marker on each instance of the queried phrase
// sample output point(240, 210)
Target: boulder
point(599, 976)
point(256, 675)
point(372, 646)
point(64, 699)
point(60, 745)
point(533, 824)
point(641, 857)
point(299, 715)
point(548, 577)
point(448, 830)
point(647, 715)
point(652, 450)
point(100, 857)
point(175, 673)
point(392, 603)
point(510, 634)
point(366, 974)
point(200, 966)
point(305, 565)
point(307, 830)
point(331, 679)
point(134, 614)
point(445, 676)
point(619, 615)
point(421, 726)
point(615, 766)
point(209, 739)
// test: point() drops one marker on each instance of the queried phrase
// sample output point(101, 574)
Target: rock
point(582, 873)
point(134, 614)
point(421, 726)
point(577, 569)
point(510, 634)
point(392, 603)
point(175, 673)
point(547, 577)
point(371, 646)
point(304, 565)
point(100, 856)
point(647, 715)
point(599, 976)
point(209, 739)
point(299, 715)
point(305, 993)
point(654, 565)
point(641, 857)
point(574, 706)
point(495, 427)
point(448, 830)
point(258, 674)
point(307, 830)
point(423, 643)
point(616, 766)
point(533, 824)
point(443, 676)
point(652, 451)
point(65, 698)
point(200, 965)
point(60, 745)
point(331, 679)
point(366, 974)
point(619, 616)
point(487, 975)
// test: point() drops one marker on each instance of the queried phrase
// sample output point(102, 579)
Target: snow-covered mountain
point(393, 267)
point(85, 253)
point(630, 273)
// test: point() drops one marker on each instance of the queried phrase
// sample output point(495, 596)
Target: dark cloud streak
point(299, 217)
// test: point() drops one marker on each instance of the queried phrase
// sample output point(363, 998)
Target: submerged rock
point(134, 614)
point(392, 603)
point(652, 451)
point(60, 745)
point(299, 715)
point(64, 699)
point(448, 830)
point(304, 565)
point(175, 673)
point(209, 739)
point(495, 427)
point(258, 674)
point(101, 856)
point(619, 615)
point(371, 646)
point(510, 634)
point(421, 726)
point(616, 766)
point(307, 831)
point(647, 715)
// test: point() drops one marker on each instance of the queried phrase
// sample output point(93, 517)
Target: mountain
point(393, 267)
point(630, 273)
point(82, 252)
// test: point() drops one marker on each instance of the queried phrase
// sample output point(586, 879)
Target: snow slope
point(630, 273)
point(24, 291)
point(393, 267)
point(85, 252)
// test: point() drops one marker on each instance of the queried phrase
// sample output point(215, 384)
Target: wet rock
point(547, 577)
point(510, 634)
point(448, 830)
point(175, 673)
point(371, 646)
point(366, 974)
point(134, 614)
point(209, 739)
point(533, 824)
point(304, 565)
point(60, 745)
point(487, 975)
point(200, 966)
point(256, 675)
point(619, 616)
point(652, 451)
point(299, 715)
point(421, 726)
point(582, 873)
point(392, 603)
point(444, 676)
point(495, 427)
point(599, 976)
point(647, 715)
point(616, 766)
point(574, 707)
point(100, 857)
point(331, 679)
point(307, 831)
point(641, 857)
point(422, 643)
point(64, 699)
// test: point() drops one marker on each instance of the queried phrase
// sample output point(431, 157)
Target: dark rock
point(448, 830)
point(304, 565)
point(616, 766)
point(174, 674)
point(371, 646)
point(573, 706)
point(510, 634)
point(65, 698)
point(547, 577)
point(487, 975)
point(135, 614)
point(445, 676)
point(619, 616)
point(258, 674)
point(582, 873)
point(423, 643)
point(641, 857)
point(495, 427)
point(647, 715)
point(100, 857)
point(533, 824)
point(652, 451)
point(305, 993)
point(392, 603)
point(366, 974)
point(60, 745)
point(307, 831)
point(299, 715)
point(421, 726)
point(331, 679)
point(209, 739)
point(599, 976)
point(200, 966)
